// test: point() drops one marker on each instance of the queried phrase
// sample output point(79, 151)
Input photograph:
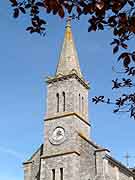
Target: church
point(68, 151)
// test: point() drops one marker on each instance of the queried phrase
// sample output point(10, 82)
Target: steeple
point(68, 62)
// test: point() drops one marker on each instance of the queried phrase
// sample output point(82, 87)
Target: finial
point(69, 18)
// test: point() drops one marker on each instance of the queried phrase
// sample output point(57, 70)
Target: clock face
point(57, 136)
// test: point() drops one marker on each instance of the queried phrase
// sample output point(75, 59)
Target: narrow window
point(61, 173)
point(53, 174)
point(64, 102)
point(82, 105)
point(57, 96)
point(79, 103)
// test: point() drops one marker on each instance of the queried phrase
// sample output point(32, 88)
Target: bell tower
point(67, 115)
point(67, 90)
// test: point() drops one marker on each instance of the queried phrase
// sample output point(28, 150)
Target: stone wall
point(32, 166)
point(72, 126)
point(87, 160)
point(70, 163)
point(72, 88)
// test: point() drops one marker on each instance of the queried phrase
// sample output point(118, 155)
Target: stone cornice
point(64, 77)
point(65, 115)
point(27, 162)
point(30, 160)
point(120, 165)
point(102, 149)
point(89, 141)
point(60, 154)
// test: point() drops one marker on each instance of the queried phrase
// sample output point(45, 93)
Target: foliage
point(117, 15)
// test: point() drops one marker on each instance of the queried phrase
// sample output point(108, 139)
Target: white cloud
point(11, 152)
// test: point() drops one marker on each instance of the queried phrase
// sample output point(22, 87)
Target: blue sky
point(25, 61)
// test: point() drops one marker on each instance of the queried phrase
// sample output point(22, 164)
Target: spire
point(68, 62)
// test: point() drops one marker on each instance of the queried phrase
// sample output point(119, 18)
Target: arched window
point(53, 174)
point(58, 101)
point(61, 173)
point(79, 103)
point(82, 104)
point(64, 102)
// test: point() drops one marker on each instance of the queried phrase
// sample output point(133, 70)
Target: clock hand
point(59, 133)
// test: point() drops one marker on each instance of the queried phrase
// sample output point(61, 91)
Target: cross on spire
point(68, 21)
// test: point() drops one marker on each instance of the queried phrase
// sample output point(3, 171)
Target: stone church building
point(68, 152)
